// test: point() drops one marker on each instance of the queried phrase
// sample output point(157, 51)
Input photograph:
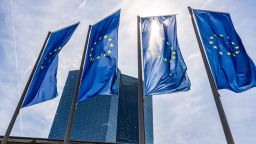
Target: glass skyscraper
point(103, 118)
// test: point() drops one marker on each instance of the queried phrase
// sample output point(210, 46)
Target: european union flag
point(164, 67)
point(100, 70)
point(43, 86)
point(231, 67)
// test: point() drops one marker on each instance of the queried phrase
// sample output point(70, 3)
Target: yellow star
point(110, 39)
point(91, 59)
point(159, 56)
point(90, 55)
point(215, 35)
point(211, 42)
point(232, 43)
point(237, 52)
point(211, 37)
point(221, 53)
point(94, 43)
point(167, 43)
point(109, 51)
point(171, 61)
point(151, 51)
point(221, 35)
point(100, 38)
point(105, 36)
point(173, 52)
point(237, 47)
point(172, 48)
point(227, 37)
point(215, 47)
point(163, 38)
point(98, 57)
point(228, 53)
point(234, 55)
point(111, 45)
point(104, 54)
point(91, 49)
point(165, 59)
point(173, 57)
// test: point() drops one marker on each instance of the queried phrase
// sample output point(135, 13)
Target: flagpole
point(17, 110)
point(74, 101)
point(216, 95)
point(140, 90)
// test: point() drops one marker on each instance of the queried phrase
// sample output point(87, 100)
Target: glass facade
point(103, 118)
point(127, 123)
point(61, 117)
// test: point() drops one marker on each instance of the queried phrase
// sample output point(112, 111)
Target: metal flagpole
point(17, 110)
point(74, 101)
point(140, 90)
point(215, 92)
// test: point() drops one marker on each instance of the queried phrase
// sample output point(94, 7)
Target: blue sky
point(181, 118)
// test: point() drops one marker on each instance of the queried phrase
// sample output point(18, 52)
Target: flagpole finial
point(190, 10)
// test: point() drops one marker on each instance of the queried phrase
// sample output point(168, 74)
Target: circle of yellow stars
point(169, 59)
point(50, 56)
point(108, 52)
point(227, 52)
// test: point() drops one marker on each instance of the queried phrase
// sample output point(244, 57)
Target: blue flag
point(164, 67)
point(43, 86)
point(100, 70)
point(231, 67)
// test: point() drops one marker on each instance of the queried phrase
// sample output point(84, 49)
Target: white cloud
point(82, 4)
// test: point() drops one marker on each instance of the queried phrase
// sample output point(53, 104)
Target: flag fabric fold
point(100, 73)
point(231, 66)
point(43, 86)
point(164, 67)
